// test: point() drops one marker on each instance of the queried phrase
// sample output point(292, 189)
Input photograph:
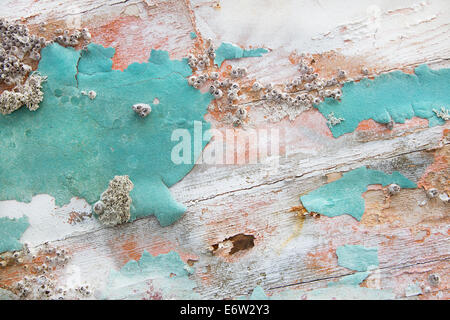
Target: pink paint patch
point(163, 246)
point(375, 127)
point(133, 38)
point(374, 187)
point(124, 34)
point(314, 120)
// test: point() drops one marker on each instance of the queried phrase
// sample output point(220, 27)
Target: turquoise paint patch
point(229, 51)
point(344, 291)
point(193, 35)
point(258, 294)
point(357, 257)
point(349, 292)
point(10, 232)
point(354, 257)
point(344, 196)
point(395, 95)
point(73, 146)
point(351, 280)
point(164, 276)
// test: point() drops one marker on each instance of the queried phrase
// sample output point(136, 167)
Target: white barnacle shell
point(256, 86)
point(218, 94)
point(214, 75)
point(342, 74)
point(242, 71)
point(191, 80)
point(317, 100)
point(241, 113)
point(98, 207)
point(235, 86)
point(92, 94)
point(142, 109)
point(394, 188)
point(444, 197)
point(432, 193)
point(234, 73)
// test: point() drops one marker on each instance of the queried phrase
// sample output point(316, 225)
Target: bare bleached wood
point(290, 251)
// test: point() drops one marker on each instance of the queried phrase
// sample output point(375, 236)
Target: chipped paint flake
point(344, 196)
point(229, 51)
point(164, 276)
point(357, 257)
point(394, 96)
point(10, 232)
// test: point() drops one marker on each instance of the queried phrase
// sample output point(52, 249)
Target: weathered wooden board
point(284, 250)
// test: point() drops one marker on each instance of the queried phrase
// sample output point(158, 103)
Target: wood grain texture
point(290, 251)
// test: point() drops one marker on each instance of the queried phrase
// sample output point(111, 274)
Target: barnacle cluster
point(40, 282)
point(332, 120)
point(142, 109)
point(219, 89)
point(434, 193)
point(17, 46)
point(203, 60)
point(113, 208)
point(28, 94)
point(53, 257)
point(300, 93)
point(295, 96)
point(45, 287)
point(443, 113)
point(67, 39)
point(304, 91)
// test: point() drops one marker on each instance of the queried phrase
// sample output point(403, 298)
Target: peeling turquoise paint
point(193, 35)
point(393, 96)
point(258, 294)
point(344, 196)
point(11, 230)
point(164, 276)
point(73, 146)
point(229, 51)
point(357, 257)
point(343, 291)
point(351, 280)
point(347, 288)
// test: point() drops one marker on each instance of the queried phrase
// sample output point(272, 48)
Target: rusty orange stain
point(328, 63)
point(437, 174)
point(375, 205)
point(379, 128)
point(294, 58)
point(131, 247)
point(322, 261)
point(331, 177)
point(130, 250)
point(136, 48)
point(298, 226)
point(427, 234)
point(109, 35)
